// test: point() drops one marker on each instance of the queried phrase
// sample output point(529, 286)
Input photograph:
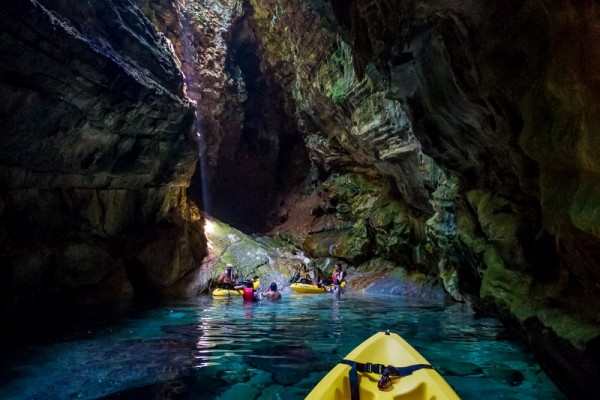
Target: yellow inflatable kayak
point(384, 366)
point(222, 292)
point(313, 289)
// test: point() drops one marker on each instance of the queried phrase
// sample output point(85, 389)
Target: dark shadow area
point(258, 164)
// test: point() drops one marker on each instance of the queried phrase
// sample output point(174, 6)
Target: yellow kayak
point(394, 365)
point(222, 292)
point(313, 289)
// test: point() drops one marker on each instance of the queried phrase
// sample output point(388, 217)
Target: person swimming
point(272, 294)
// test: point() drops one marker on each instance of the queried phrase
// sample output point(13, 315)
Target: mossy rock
point(506, 289)
point(390, 214)
point(585, 208)
point(394, 234)
point(497, 216)
point(351, 244)
point(512, 293)
point(504, 224)
point(348, 187)
point(468, 234)
point(249, 257)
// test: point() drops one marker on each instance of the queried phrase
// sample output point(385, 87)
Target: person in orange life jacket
point(337, 278)
point(227, 280)
point(249, 294)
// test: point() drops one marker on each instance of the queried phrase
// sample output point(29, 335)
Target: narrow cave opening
point(263, 155)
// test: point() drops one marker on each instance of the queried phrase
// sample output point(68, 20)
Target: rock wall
point(454, 137)
point(251, 150)
point(97, 148)
point(501, 96)
point(497, 96)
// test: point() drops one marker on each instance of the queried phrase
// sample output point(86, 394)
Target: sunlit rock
point(269, 259)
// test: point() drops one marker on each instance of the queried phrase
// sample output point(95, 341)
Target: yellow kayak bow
point(383, 367)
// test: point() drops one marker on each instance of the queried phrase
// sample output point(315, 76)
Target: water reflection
point(226, 349)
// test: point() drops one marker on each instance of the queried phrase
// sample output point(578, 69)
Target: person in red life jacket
point(337, 278)
point(248, 293)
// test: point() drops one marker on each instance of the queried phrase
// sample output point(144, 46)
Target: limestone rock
point(96, 151)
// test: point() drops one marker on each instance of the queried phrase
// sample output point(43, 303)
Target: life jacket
point(337, 277)
point(248, 294)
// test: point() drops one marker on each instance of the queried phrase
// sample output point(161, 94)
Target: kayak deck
point(386, 349)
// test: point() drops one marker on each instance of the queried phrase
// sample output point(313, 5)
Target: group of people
point(337, 277)
point(250, 292)
point(227, 280)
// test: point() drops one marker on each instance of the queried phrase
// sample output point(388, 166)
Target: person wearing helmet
point(227, 279)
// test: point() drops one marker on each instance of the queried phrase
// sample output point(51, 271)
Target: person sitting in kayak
point(307, 279)
point(227, 280)
point(272, 293)
point(249, 294)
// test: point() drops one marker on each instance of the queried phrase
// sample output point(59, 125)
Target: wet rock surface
point(96, 152)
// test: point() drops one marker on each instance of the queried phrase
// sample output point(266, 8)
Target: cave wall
point(97, 148)
point(500, 97)
point(457, 137)
point(356, 134)
point(251, 150)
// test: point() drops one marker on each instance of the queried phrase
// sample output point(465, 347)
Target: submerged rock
point(280, 362)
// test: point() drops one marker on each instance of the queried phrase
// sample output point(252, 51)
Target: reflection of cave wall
point(268, 156)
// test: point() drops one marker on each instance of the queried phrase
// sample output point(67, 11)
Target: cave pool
point(207, 348)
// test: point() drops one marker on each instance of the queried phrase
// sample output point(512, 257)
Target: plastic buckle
point(391, 370)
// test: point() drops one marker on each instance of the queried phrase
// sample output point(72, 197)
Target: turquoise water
point(209, 348)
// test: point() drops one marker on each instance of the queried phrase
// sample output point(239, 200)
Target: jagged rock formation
point(502, 97)
point(96, 152)
point(251, 148)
